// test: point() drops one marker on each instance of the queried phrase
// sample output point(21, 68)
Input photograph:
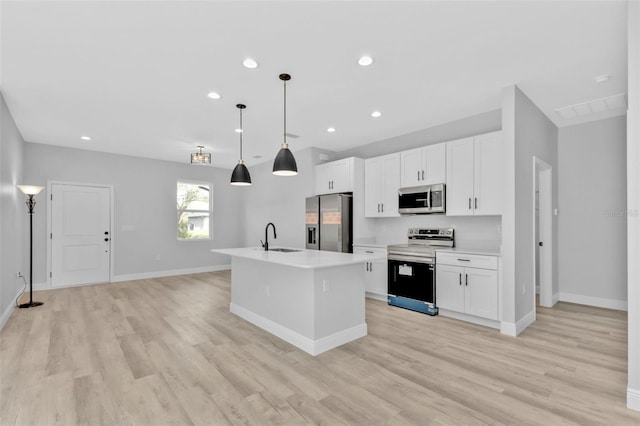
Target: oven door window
point(411, 279)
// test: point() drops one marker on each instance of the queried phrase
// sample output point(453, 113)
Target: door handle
point(469, 203)
point(460, 279)
point(106, 239)
point(378, 207)
point(423, 175)
point(540, 244)
point(466, 280)
point(106, 232)
point(418, 174)
point(371, 266)
point(382, 208)
point(476, 202)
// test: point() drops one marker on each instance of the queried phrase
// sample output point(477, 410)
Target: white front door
point(80, 234)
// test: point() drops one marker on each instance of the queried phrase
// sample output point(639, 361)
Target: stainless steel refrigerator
point(328, 223)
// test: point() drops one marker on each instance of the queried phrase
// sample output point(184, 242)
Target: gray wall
point(145, 198)
point(279, 199)
point(592, 187)
point(13, 212)
point(528, 133)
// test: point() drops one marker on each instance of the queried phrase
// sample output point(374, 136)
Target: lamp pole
point(31, 203)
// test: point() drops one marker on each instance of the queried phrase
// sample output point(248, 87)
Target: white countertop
point(299, 259)
point(462, 250)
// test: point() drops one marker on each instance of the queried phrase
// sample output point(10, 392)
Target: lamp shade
point(285, 163)
point(30, 189)
point(240, 175)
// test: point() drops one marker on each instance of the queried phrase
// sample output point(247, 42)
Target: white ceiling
point(134, 76)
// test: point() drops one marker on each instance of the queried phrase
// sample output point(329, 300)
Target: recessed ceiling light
point(238, 130)
point(365, 61)
point(85, 138)
point(376, 114)
point(214, 95)
point(250, 63)
point(331, 130)
point(602, 78)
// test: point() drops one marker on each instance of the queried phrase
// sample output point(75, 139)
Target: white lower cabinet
point(467, 289)
point(375, 271)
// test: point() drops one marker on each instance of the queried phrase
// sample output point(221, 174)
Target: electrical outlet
point(18, 274)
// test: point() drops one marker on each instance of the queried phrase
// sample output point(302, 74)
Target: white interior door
point(80, 234)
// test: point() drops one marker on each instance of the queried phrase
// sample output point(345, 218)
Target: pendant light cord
point(285, 112)
point(241, 131)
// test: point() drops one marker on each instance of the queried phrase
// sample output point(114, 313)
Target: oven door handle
point(414, 259)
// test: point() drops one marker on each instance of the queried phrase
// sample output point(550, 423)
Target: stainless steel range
point(411, 273)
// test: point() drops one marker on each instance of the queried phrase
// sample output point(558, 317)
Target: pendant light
point(200, 158)
point(240, 175)
point(285, 163)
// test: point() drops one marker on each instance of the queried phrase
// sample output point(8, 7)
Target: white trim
point(633, 399)
point(375, 296)
point(111, 225)
point(556, 298)
point(513, 329)
point(7, 312)
point(141, 276)
point(313, 347)
point(620, 305)
point(169, 273)
point(544, 183)
point(469, 318)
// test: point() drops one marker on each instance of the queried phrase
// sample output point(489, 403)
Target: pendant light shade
point(200, 158)
point(285, 163)
point(240, 175)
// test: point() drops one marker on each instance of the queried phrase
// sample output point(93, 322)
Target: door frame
point(543, 180)
point(50, 183)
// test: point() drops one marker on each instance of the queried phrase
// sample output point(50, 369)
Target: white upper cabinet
point(381, 183)
point(489, 173)
point(334, 177)
point(423, 166)
point(475, 175)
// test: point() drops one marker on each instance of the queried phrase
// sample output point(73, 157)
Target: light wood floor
point(167, 351)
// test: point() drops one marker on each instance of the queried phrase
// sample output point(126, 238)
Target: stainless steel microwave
point(422, 199)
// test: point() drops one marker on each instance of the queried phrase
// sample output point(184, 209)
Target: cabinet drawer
point(467, 260)
point(371, 251)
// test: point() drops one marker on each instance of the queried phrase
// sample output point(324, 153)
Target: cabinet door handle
point(382, 208)
point(368, 251)
point(469, 203)
point(418, 174)
point(378, 207)
point(460, 278)
point(476, 202)
point(423, 175)
point(371, 266)
point(367, 263)
point(466, 280)
point(464, 260)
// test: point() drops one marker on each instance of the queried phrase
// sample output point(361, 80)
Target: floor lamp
point(30, 191)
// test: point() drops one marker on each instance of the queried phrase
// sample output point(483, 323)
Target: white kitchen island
point(309, 298)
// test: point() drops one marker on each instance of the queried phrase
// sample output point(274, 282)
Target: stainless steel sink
point(284, 250)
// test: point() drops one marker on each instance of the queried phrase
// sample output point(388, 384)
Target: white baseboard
point(469, 318)
point(313, 347)
point(620, 305)
point(514, 328)
point(508, 328)
point(140, 276)
point(375, 296)
point(7, 312)
point(555, 299)
point(169, 273)
point(633, 399)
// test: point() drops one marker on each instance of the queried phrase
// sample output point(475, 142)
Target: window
point(194, 211)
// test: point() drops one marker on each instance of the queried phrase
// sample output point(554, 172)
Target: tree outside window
point(194, 211)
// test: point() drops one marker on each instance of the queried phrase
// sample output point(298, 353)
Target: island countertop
point(310, 259)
